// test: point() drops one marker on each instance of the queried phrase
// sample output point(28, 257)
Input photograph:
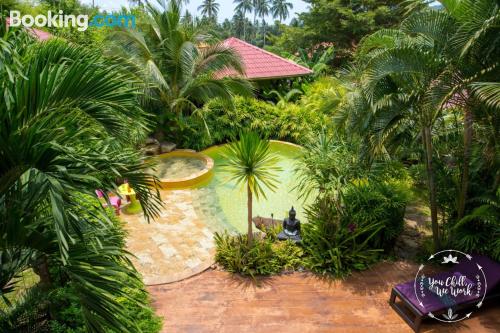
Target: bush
point(65, 310)
point(479, 231)
point(370, 202)
point(27, 314)
point(352, 230)
point(332, 245)
point(263, 257)
point(291, 123)
point(63, 301)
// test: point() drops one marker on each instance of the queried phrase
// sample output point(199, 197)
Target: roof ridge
point(269, 53)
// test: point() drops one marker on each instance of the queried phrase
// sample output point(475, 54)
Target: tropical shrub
point(479, 231)
point(359, 209)
point(62, 298)
point(262, 257)
point(372, 202)
point(333, 246)
point(66, 311)
point(290, 123)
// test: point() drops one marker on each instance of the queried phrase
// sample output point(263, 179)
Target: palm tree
point(250, 162)
point(262, 9)
point(244, 6)
point(179, 66)
point(209, 8)
point(67, 124)
point(412, 73)
point(280, 9)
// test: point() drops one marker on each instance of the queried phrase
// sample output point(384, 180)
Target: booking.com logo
point(60, 20)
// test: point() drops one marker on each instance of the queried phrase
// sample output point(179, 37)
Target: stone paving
point(218, 302)
point(179, 243)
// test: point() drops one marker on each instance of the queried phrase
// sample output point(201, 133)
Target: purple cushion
point(433, 303)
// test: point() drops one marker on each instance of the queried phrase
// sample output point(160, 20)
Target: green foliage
point(318, 60)
point(339, 21)
point(292, 122)
point(65, 310)
point(28, 308)
point(351, 226)
point(328, 165)
point(66, 313)
point(56, 149)
point(289, 255)
point(333, 246)
point(179, 76)
point(479, 231)
point(250, 162)
point(358, 211)
point(63, 299)
point(262, 257)
point(372, 202)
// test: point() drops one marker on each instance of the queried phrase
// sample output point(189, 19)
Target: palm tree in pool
point(280, 9)
point(250, 161)
point(179, 75)
point(244, 6)
point(262, 9)
point(209, 8)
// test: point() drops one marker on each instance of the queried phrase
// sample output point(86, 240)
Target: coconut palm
point(250, 162)
point(280, 9)
point(209, 8)
point(65, 131)
point(262, 8)
point(244, 6)
point(179, 64)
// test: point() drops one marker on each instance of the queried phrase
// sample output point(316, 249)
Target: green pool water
point(226, 203)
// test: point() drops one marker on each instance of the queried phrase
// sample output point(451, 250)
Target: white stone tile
point(168, 251)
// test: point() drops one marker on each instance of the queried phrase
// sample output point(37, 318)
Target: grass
point(27, 280)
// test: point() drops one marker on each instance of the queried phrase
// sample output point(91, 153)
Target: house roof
point(260, 64)
point(38, 34)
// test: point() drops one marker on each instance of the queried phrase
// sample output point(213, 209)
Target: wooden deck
point(219, 302)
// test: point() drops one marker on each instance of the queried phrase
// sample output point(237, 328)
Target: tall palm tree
point(67, 121)
point(250, 162)
point(244, 6)
point(178, 64)
point(476, 43)
point(209, 8)
point(414, 72)
point(262, 8)
point(280, 9)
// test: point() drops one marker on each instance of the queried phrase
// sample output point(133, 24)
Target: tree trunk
point(245, 26)
point(427, 141)
point(264, 28)
point(42, 270)
point(249, 206)
point(468, 120)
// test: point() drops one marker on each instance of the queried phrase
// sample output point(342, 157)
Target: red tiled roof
point(38, 34)
point(260, 64)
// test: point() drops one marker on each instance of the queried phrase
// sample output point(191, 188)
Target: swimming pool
point(227, 203)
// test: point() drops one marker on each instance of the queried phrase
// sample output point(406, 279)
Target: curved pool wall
point(229, 202)
point(201, 176)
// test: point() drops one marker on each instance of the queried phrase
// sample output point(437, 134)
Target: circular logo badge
point(461, 280)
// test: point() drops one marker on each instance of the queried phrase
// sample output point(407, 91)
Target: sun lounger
point(413, 313)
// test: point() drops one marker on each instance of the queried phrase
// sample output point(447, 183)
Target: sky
point(226, 7)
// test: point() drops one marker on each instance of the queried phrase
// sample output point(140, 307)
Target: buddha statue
point(291, 228)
